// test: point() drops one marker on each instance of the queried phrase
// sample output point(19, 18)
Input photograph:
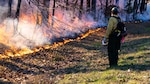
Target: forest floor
point(84, 62)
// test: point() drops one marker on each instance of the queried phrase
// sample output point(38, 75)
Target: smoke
point(24, 32)
point(19, 32)
point(121, 4)
point(3, 13)
point(146, 15)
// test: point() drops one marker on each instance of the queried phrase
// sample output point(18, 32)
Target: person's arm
point(108, 31)
point(109, 27)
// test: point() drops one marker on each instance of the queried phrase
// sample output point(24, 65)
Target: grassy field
point(84, 62)
point(134, 67)
point(134, 63)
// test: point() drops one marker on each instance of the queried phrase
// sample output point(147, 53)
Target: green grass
point(147, 29)
point(133, 67)
point(112, 76)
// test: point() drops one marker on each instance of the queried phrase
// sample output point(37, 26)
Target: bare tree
point(88, 6)
point(45, 11)
point(67, 4)
point(129, 8)
point(106, 5)
point(143, 6)
point(106, 8)
point(74, 6)
point(42, 11)
point(10, 5)
point(53, 13)
point(94, 8)
point(18, 9)
point(135, 8)
point(81, 9)
point(39, 16)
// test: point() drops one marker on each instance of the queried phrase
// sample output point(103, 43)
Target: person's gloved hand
point(104, 41)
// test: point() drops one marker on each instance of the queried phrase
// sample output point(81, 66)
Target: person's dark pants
point(113, 58)
point(113, 47)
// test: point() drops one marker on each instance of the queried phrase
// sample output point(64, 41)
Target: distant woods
point(79, 7)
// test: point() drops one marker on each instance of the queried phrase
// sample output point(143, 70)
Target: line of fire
point(28, 26)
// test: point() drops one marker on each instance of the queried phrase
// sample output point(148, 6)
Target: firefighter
point(112, 41)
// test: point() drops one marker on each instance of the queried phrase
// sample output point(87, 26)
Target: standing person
point(113, 41)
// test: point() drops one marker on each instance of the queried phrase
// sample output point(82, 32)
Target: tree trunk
point(45, 12)
point(53, 13)
point(67, 4)
point(81, 9)
point(106, 7)
point(142, 7)
point(116, 1)
point(135, 8)
point(9, 11)
point(75, 3)
point(94, 8)
point(106, 4)
point(18, 8)
point(39, 16)
point(88, 6)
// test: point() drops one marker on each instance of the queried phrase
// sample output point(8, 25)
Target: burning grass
point(15, 52)
point(21, 36)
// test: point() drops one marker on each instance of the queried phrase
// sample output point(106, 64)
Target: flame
point(27, 34)
point(13, 52)
point(18, 53)
point(3, 36)
point(12, 40)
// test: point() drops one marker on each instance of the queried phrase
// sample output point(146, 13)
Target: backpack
point(120, 29)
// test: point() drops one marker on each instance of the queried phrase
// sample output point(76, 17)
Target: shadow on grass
point(136, 44)
point(134, 47)
point(136, 67)
point(3, 82)
point(84, 45)
point(18, 65)
point(78, 69)
point(83, 69)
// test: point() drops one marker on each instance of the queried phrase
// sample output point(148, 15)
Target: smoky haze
point(3, 9)
point(28, 30)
